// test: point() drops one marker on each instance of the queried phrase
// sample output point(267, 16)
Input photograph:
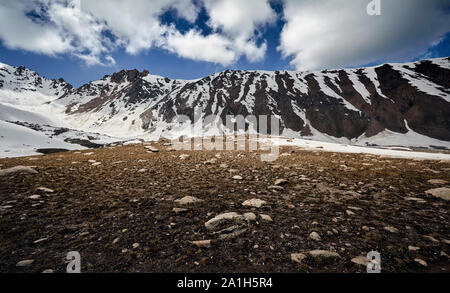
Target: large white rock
point(443, 193)
point(18, 169)
point(222, 218)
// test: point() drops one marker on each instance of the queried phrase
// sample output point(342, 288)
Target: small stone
point(431, 238)
point(96, 164)
point(323, 254)
point(202, 243)
point(421, 262)
point(48, 271)
point(391, 229)
point(349, 213)
point(266, 218)
point(35, 196)
point(257, 203)
point(274, 187)
point(115, 240)
point(40, 240)
point(45, 190)
point(314, 236)
point(135, 245)
point(25, 263)
point(298, 257)
point(142, 170)
point(184, 156)
point(124, 250)
point(250, 217)
point(413, 248)
point(360, 260)
point(446, 241)
point(280, 182)
point(437, 181)
point(188, 200)
point(237, 177)
point(151, 149)
point(179, 210)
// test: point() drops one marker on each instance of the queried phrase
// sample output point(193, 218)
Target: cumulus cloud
point(93, 30)
point(339, 33)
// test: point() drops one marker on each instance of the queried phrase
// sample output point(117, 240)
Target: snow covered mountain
point(393, 104)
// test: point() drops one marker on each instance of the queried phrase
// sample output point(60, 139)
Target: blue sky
point(192, 39)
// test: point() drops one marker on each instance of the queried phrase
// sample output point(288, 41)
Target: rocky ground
point(131, 209)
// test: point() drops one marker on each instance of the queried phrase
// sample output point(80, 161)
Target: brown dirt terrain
point(350, 200)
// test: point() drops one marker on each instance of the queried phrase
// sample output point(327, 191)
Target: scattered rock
point(222, 218)
point(360, 260)
point(391, 229)
point(25, 263)
point(314, 236)
point(413, 248)
point(151, 149)
point(349, 213)
point(443, 193)
point(18, 170)
point(135, 245)
point(179, 210)
point(298, 257)
point(237, 177)
point(266, 218)
point(45, 190)
point(323, 254)
point(250, 217)
point(202, 243)
point(421, 262)
point(188, 200)
point(48, 271)
point(184, 156)
point(437, 181)
point(142, 170)
point(280, 182)
point(431, 238)
point(35, 196)
point(274, 187)
point(257, 203)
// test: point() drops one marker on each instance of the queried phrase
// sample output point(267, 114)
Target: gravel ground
point(119, 208)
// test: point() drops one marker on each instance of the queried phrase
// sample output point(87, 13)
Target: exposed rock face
point(347, 103)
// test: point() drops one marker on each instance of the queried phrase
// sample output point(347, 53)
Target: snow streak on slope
point(19, 141)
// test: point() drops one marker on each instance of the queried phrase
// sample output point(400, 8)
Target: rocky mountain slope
point(393, 104)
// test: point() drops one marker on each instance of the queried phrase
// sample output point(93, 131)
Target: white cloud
point(339, 33)
point(80, 27)
point(212, 48)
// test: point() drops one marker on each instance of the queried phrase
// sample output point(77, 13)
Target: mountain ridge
point(344, 105)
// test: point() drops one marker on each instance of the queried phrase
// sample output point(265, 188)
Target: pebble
point(266, 218)
point(298, 257)
point(360, 260)
point(44, 189)
point(188, 200)
point(237, 177)
point(391, 229)
point(25, 263)
point(421, 262)
point(323, 254)
point(35, 196)
point(48, 271)
point(413, 248)
point(250, 217)
point(202, 243)
point(254, 202)
point(314, 236)
point(135, 245)
point(280, 182)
